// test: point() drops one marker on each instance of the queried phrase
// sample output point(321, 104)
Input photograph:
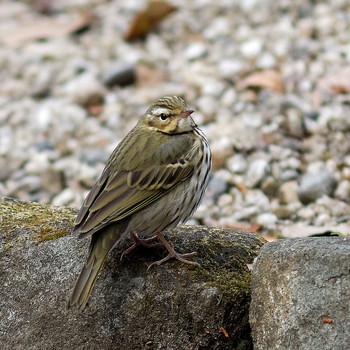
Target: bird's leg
point(138, 241)
point(172, 253)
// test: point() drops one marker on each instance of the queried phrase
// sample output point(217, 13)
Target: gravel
point(66, 102)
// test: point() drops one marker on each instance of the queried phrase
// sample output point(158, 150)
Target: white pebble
point(195, 51)
point(266, 219)
point(252, 48)
point(64, 198)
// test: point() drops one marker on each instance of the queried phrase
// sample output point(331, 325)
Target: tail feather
point(101, 244)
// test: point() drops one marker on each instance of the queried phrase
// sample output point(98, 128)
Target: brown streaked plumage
point(153, 180)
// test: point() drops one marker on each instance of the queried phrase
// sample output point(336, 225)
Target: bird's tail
point(101, 244)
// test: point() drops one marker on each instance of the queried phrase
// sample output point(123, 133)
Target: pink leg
point(138, 241)
point(172, 254)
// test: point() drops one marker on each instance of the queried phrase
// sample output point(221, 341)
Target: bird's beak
point(186, 113)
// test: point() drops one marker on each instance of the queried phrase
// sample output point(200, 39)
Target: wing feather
point(119, 195)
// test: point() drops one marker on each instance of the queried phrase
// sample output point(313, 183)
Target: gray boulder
point(173, 306)
point(301, 295)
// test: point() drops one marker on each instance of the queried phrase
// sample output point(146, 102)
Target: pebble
point(245, 214)
point(216, 186)
point(342, 191)
point(295, 124)
point(258, 199)
point(64, 198)
point(237, 164)
point(257, 170)
point(289, 174)
point(52, 181)
point(94, 156)
point(120, 74)
point(252, 48)
point(266, 61)
point(266, 219)
point(288, 192)
point(195, 51)
point(208, 106)
point(83, 89)
point(229, 67)
point(313, 186)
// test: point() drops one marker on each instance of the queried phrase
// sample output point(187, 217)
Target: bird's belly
point(167, 212)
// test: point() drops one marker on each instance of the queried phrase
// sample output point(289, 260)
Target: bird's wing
point(117, 195)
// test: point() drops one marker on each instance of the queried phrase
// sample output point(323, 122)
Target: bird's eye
point(163, 116)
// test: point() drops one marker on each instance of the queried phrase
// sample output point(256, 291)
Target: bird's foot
point(177, 256)
point(147, 243)
point(172, 254)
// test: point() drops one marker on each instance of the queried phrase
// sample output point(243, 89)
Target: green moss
point(223, 258)
point(33, 221)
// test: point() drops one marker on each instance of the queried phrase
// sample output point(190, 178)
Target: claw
point(138, 241)
point(172, 254)
point(177, 256)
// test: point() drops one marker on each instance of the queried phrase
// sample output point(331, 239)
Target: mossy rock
point(173, 306)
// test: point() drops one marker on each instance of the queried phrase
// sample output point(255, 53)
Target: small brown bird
point(153, 180)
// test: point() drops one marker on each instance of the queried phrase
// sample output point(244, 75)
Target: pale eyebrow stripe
point(160, 110)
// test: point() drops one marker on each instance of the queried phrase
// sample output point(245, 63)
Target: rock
point(237, 164)
point(257, 170)
point(266, 61)
point(208, 106)
point(85, 89)
point(217, 184)
point(121, 74)
point(301, 295)
point(221, 151)
point(257, 198)
point(64, 198)
point(295, 124)
point(313, 186)
point(195, 51)
point(245, 213)
point(229, 67)
point(94, 156)
point(266, 219)
point(343, 190)
point(173, 306)
point(251, 48)
point(288, 192)
point(289, 174)
point(52, 180)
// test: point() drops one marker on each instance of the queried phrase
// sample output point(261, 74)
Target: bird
point(153, 180)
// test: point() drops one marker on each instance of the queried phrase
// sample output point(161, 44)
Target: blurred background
point(270, 82)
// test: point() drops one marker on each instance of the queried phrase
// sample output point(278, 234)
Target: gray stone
point(301, 295)
point(245, 213)
point(313, 186)
point(93, 156)
point(217, 186)
point(256, 172)
point(85, 89)
point(289, 174)
point(121, 74)
point(173, 306)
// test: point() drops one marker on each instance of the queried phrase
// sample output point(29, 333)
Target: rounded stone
point(313, 186)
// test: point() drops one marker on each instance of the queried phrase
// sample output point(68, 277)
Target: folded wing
point(117, 195)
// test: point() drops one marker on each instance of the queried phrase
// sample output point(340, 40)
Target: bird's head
point(169, 115)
